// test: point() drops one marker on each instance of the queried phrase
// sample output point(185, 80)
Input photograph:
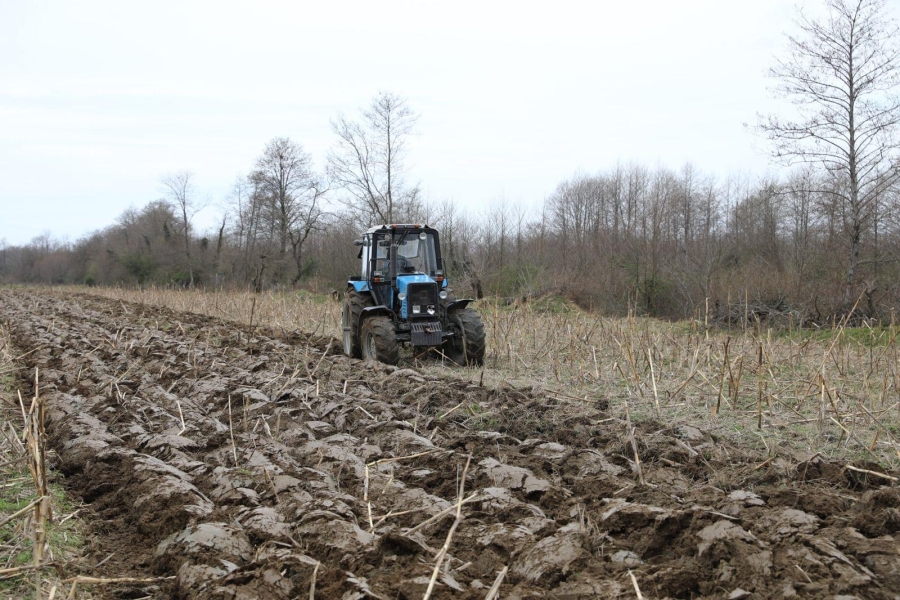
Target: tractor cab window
point(383, 248)
point(415, 252)
point(418, 250)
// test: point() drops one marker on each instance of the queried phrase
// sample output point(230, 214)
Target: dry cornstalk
point(634, 369)
point(737, 382)
point(312, 583)
point(113, 580)
point(875, 473)
point(764, 463)
point(13, 461)
point(495, 589)
point(366, 499)
point(471, 498)
point(83, 579)
point(821, 405)
point(271, 483)
point(442, 554)
point(451, 411)
point(637, 459)
point(634, 582)
point(653, 381)
point(22, 406)
point(725, 368)
point(231, 431)
point(324, 354)
point(181, 414)
point(21, 512)
point(366, 412)
point(690, 378)
point(13, 572)
point(35, 442)
point(382, 461)
point(399, 513)
point(759, 385)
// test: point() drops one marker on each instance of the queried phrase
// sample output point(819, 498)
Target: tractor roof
point(400, 226)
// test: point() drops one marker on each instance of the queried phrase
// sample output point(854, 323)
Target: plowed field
point(253, 464)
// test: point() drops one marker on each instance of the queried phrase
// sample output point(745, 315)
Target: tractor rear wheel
point(379, 340)
point(354, 303)
point(466, 347)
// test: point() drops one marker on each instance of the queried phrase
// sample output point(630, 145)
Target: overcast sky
point(98, 100)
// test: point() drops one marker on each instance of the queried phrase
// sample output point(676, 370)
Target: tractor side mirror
point(358, 243)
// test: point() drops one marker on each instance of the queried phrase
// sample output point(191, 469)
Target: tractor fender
point(459, 304)
point(371, 311)
point(359, 286)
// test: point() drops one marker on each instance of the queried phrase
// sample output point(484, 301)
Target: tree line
point(653, 240)
point(816, 241)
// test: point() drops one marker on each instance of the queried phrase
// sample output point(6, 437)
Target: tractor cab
point(402, 268)
point(416, 250)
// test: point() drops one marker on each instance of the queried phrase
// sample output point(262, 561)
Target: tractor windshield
point(415, 253)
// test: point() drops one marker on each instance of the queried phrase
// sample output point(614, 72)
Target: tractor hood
point(403, 281)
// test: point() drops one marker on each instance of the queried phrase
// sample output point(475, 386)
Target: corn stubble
point(38, 545)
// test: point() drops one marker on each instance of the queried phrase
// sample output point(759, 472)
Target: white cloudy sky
point(98, 100)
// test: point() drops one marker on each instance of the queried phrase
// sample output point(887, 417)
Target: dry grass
point(835, 392)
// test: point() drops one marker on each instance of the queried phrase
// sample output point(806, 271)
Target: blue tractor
point(401, 297)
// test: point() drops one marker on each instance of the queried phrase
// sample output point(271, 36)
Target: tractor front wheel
point(379, 341)
point(354, 303)
point(347, 328)
point(466, 347)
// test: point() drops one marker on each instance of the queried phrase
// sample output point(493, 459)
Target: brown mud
point(252, 464)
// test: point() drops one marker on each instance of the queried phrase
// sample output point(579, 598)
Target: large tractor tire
point(466, 347)
point(379, 340)
point(354, 303)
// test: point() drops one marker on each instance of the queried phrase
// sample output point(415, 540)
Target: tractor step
point(426, 334)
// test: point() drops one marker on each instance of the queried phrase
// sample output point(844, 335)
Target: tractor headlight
point(443, 295)
point(401, 296)
point(431, 309)
point(417, 309)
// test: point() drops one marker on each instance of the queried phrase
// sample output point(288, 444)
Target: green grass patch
point(870, 337)
point(555, 305)
point(308, 296)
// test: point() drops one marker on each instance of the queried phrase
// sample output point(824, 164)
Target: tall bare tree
point(292, 192)
point(840, 72)
point(181, 193)
point(367, 161)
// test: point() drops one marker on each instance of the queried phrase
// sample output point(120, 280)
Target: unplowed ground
point(252, 464)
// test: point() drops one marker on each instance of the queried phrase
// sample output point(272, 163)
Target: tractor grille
point(422, 294)
point(426, 334)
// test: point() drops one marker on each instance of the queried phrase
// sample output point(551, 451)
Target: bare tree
point(287, 183)
point(242, 213)
point(840, 72)
point(800, 196)
point(367, 160)
point(181, 193)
